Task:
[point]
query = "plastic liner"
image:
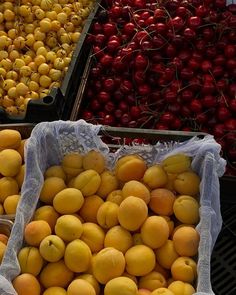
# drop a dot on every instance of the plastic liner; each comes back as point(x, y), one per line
point(65, 137)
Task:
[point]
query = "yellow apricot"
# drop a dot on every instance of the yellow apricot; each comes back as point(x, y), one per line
point(109, 263)
point(118, 238)
point(94, 160)
point(155, 231)
point(90, 207)
point(140, 260)
point(132, 213)
point(136, 189)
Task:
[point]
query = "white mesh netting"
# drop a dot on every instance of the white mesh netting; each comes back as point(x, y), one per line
point(49, 142)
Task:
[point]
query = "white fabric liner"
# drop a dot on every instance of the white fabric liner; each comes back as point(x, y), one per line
point(50, 141)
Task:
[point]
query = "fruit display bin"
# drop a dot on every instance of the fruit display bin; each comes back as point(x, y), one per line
point(219, 257)
point(25, 129)
point(59, 102)
point(228, 183)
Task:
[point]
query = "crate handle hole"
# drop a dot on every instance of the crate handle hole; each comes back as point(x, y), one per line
point(48, 99)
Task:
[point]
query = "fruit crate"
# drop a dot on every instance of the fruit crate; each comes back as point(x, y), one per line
point(222, 264)
point(228, 183)
point(25, 129)
point(59, 102)
point(223, 260)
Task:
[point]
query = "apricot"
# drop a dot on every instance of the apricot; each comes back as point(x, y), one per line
point(25, 284)
point(30, 260)
point(90, 207)
point(90, 279)
point(177, 163)
point(56, 274)
point(36, 231)
point(68, 201)
point(171, 224)
point(72, 164)
point(94, 160)
point(140, 260)
point(10, 204)
point(77, 256)
point(170, 182)
point(162, 270)
point(152, 281)
point(137, 239)
point(55, 291)
point(133, 278)
point(2, 250)
point(21, 149)
point(52, 248)
point(155, 231)
point(136, 189)
point(48, 214)
point(186, 210)
point(80, 287)
point(186, 241)
point(88, 182)
point(9, 139)
point(187, 183)
point(93, 235)
point(181, 288)
point(55, 171)
point(20, 176)
point(121, 286)
point(130, 167)
point(143, 292)
point(184, 269)
point(115, 197)
point(109, 263)
point(162, 291)
point(3, 238)
point(179, 226)
point(90, 269)
point(166, 254)
point(108, 184)
point(155, 177)
point(107, 215)
point(132, 213)
point(118, 238)
point(8, 187)
point(70, 182)
point(68, 228)
point(51, 186)
point(10, 162)
point(162, 201)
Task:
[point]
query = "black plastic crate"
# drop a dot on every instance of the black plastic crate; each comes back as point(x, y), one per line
point(58, 104)
point(227, 182)
point(25, 129)
point(223, 260)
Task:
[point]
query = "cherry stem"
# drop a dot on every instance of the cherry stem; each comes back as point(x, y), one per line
point(149, 119)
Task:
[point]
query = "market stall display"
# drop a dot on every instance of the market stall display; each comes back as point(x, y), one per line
point(164, 66)
point(70, 137)
point(40, 52)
